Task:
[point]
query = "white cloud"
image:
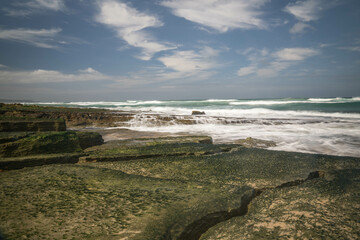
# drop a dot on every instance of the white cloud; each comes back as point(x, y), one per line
point(130, 24)
point(190, 61)
point(54, 5)
point(325, 45)
point(3, 66)
point(308, 10)
point(42, 38)
point(49, 76)
point(269, 65)
point(300, 28)
point(21, 9)
point(295, 54)
point(219, 14)
point(244, 71)
point(351, 48)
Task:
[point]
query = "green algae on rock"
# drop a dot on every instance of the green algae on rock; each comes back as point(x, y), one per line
point(70, 201)
point(119, 150)
point(258, 168)
point(325, 208)
point(89, 139)
point(12, 163)
point(42, 143)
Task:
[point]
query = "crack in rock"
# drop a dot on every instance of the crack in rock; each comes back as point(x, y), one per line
point(199, 227)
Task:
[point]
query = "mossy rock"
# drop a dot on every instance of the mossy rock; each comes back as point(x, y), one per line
point(79, 202)
point(6, 137)
point(42, 143)
point(152, 151)
point(327, 208)
point(120, 150)
point(258, 168)
point(38, 160)
point(89, 139)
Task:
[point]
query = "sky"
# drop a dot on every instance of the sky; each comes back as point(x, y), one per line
point(115, 50)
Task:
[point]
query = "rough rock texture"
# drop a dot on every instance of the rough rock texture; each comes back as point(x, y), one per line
point(173, 197)
point(326, 208)
point(69, 201)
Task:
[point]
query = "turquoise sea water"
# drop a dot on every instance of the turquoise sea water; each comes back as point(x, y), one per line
point(314, 125)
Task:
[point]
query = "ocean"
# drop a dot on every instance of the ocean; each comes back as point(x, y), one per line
point(311, 125)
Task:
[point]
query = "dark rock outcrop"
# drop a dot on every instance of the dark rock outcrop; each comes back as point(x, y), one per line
point(42, 143)
point(197, 113)
point(89, 139)
point(32, 125)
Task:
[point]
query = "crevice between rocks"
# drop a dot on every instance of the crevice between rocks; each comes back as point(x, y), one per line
point(194, 230)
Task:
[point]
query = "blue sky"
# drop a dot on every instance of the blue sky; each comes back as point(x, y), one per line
point(113, 50)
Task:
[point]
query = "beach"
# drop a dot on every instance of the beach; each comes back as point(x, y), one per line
point(114, 172)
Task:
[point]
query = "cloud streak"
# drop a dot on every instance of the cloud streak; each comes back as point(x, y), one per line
point(49, 76)
point(305, 11)
point(221, 16)
point(130, 25)
point(300, 28)
point(22, 9)
point(264, 64)
point(42, 38)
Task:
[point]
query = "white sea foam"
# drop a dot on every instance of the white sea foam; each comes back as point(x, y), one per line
point(321, 128)
point(259, 102)
point(243, 113)
point(327, 138)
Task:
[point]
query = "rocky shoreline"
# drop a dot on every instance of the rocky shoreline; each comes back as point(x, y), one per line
point(88, 182)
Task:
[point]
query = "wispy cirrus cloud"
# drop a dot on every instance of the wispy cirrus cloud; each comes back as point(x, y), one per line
point(300, 28)
point(307, 11)
point(50, 76)
point(266, 64)
point(21, 8)
point(130, 25)
point(221, 16)
point(351, 48)
point(43, 38)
